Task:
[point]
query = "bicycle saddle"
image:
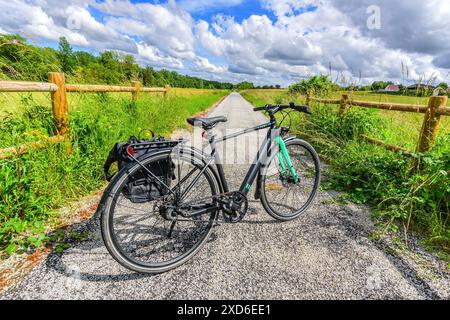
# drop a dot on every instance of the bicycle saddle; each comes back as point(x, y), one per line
point(207, 123)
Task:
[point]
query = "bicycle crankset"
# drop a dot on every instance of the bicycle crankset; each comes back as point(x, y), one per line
point(235, 206)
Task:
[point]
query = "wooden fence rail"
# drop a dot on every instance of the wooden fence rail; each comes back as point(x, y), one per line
point(389, 106)
point(58, 90)
point(436, 108)
point(21, 86)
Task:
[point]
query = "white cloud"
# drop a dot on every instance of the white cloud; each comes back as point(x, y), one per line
point(307, 36)
point(303, 42)
point(165, 27)
point(33, 21)
point(153, 56)
point(203, 64)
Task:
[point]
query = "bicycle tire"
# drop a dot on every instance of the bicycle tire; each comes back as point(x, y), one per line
point(108, 208)
point(270, 204)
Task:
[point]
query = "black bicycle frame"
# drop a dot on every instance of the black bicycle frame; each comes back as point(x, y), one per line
point(261, 156)
point(260, 160)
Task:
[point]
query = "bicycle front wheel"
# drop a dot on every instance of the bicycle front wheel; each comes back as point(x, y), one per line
point(139, 232)
point(283, 196)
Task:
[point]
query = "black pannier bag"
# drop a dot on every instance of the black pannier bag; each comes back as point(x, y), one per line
point(142, 187)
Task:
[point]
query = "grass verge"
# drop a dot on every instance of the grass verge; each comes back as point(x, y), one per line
point(35, 185)
point(370, 174)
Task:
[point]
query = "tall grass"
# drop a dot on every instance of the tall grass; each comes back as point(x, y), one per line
point(370, 174)
point(34, 185)
point(401, 128)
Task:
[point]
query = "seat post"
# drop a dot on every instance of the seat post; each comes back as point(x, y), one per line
point(212, 144)
point(219, 166)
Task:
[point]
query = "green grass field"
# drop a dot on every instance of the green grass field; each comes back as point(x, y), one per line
point(15, 105)
point(11, 102)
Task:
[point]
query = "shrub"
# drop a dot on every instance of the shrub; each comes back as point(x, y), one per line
point(318, 85)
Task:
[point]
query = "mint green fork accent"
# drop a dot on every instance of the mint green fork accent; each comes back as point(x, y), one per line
point(282, 164)
point(286, 156)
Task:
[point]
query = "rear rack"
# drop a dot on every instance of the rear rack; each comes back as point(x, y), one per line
point(151, 145)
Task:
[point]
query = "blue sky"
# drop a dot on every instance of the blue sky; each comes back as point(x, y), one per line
point(239, 12)
point(263, 41)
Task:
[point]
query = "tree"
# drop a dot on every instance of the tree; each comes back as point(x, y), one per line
point(443, 85)
point(22, 61)
point(84, 58)
point(318, 85)
point(379, 85)
point(130, 68)
point(245, 85)
point(65, 55)
point(147, 77)
point(110, 71)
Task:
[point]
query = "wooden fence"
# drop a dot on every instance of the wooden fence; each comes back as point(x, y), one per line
point(434, 111)
point(58, 89)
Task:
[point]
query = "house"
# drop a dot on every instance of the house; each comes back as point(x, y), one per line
point(392, 88)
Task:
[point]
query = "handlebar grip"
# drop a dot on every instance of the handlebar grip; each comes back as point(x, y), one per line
point(259, 109)
point(304, 109)
point(292, 105)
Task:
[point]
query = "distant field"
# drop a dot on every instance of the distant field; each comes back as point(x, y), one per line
point(377, 97)
point(185, 101)
point(261, 97)
point(402, 128)
point(12, 102)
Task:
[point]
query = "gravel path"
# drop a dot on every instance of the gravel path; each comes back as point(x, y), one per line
point(326, 254)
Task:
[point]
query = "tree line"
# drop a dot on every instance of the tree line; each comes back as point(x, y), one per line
point(321, 84)
point(20, 60)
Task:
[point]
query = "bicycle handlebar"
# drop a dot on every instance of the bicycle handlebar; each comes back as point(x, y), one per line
point(272, 109)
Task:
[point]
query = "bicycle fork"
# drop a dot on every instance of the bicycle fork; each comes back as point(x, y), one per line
point(283, 156)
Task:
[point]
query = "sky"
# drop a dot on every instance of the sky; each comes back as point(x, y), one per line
point(262, 41)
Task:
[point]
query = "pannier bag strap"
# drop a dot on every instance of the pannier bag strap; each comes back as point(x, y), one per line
point(112, 157)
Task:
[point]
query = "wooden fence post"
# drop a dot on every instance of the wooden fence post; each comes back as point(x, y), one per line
point(308, 97)
point(166, 93)
point(137, 89)
point(343, 105)
point(431, 123)
point(60, 106)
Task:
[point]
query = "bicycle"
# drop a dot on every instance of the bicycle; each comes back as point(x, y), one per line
point(162, 234)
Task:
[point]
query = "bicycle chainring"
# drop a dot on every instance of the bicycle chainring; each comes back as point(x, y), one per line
point(234, 207)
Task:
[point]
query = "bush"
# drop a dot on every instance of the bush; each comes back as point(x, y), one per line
point(318, 85)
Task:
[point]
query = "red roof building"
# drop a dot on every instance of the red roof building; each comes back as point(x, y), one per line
point(392, 88)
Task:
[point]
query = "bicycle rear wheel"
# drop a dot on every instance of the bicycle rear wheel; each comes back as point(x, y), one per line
point(281, 196)
point(139, 235)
